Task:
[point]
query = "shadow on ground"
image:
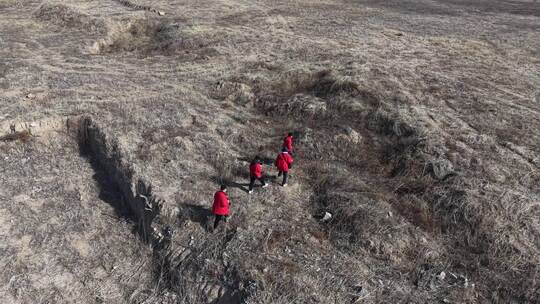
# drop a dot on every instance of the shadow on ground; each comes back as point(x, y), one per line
point(198, 214)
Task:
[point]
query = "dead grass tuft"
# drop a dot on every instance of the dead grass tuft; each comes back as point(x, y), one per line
point(227, 168)
point(389, 124)
point(321, 83)
point(356, 214)
point(235, 92)
point(22, 136)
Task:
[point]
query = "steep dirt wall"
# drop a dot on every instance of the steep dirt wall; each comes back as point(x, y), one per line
point(105, 154)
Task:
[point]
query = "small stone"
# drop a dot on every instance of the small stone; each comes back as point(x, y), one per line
point(161, 13)
point(327, 216)
point(30, 96)
point(355, 137)
point(389, 213)
point(214, 293)
point(441, 276)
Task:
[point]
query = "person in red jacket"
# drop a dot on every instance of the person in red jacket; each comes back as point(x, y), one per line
point(284, 163)
point(255, 173)
point(287, 142)
point(220, 208)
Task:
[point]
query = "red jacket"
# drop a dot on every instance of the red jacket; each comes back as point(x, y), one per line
point(283, 161)
point(287, 143)
point(255, 170)
point(221, 204)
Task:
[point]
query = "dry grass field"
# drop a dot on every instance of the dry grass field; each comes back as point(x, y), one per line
point(416, 127)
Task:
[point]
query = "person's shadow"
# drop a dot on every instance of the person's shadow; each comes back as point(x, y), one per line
point(243, 186)
point(264, 160)
point(198, 214)
point(231, 184)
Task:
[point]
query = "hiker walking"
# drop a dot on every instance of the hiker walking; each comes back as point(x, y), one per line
point(220, 208)
point(283, 163)
point(255, 173)
point(287, 142)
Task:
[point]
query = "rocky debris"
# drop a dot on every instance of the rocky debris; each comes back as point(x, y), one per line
point(432, 279)
point(133, 5)
point(30, 96)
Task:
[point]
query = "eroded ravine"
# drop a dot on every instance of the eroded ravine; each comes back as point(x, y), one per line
point(64, 239)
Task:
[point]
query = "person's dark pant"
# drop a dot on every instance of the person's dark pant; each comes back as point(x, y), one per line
point(252, 181)
point(285, 175)
point(218, 219)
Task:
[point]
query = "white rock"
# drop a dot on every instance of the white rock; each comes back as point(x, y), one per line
point(441, 276)
point(161, 13)
point(327, 216)
point(355, 137)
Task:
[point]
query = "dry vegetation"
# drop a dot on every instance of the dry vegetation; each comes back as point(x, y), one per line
point(416, 127)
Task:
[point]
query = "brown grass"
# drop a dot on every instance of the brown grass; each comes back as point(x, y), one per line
point(152, 36)
point(23, 136)
point(68, 17)
point(237, 75)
